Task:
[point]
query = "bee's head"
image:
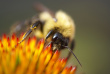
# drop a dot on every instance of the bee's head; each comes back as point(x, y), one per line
point(59, 41)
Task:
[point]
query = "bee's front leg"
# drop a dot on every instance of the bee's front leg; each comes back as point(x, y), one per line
point(48, 35)
point(33, 27)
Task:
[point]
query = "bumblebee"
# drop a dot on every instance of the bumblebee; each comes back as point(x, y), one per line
point(57, 29)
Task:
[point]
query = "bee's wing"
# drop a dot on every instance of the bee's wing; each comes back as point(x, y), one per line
point(41, 8)
point(20, 27)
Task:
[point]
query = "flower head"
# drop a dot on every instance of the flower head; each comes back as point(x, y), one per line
point(30, 57)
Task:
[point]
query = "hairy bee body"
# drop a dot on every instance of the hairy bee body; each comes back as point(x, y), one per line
point(64, 24)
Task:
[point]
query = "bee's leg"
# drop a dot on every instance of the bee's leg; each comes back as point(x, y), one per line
point(33, 27)
point(72, 48)
point(50, 43)
point(25, 35)
point(48, 35)
point(52, 48)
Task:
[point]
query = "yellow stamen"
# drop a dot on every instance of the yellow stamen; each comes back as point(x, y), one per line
point(30, 58)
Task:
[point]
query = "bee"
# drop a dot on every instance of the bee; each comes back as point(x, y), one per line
point(57, 28)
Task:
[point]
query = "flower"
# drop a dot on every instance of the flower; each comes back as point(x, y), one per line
point(30, 57)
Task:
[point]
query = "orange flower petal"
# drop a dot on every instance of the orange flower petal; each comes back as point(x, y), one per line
point(30, 58)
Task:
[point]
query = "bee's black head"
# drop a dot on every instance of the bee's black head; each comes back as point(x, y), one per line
point(59, 41)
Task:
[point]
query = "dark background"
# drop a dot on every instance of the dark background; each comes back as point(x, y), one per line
point(92, 19)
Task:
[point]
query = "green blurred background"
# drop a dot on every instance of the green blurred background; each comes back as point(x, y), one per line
point(92, 19)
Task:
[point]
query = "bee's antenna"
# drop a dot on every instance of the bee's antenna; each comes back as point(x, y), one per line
point(73, 54)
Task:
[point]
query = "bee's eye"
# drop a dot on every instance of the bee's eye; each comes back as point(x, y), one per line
point(57, 37)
